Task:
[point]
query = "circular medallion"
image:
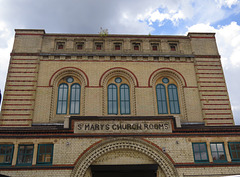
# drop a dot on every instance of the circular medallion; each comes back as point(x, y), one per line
point(165, 80)
point(69, 79)
point(118, 80)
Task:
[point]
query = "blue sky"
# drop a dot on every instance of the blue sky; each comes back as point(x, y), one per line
point(160, 17)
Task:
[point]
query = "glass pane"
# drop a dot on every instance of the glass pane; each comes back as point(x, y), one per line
point(72, 107)
point(122, 107)
point(77, 107)
point(64, 107)
point(220, 147)
point(232, 146)
point(20, 158)
point(197, 156)
point(202, 147)
point(41, 149)
point(65, 94)
point(41, 158)
point(171, 104)
point(110, 107)
point(60, 93)
point(49, 149)
point(78, 94)
point(122, 93)
point(213, 147)
point(127, 108)
point(59, 107)
point(214, 156)
point(238, 154)
point(175, 94)
point(9, 149)
point(48, 158)
point(114, 107)
point(222, 156)
point(21, 149)
point(237, 146)
point(234, 154)
point(8, 158)
point(2, 150)
point(73, 94)
point(29, 149)
point(28, 159)
point(204, 155)
point(196, 147)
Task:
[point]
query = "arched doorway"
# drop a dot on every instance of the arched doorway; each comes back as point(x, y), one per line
point(156, 160)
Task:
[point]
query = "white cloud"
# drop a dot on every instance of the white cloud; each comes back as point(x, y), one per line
point(227, 3)
point(228, 40)
point(6, 38)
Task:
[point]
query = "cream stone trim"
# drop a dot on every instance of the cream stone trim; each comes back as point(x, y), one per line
point(124, 143)
point(118, 72)
point(54, 82)
point(180, 85)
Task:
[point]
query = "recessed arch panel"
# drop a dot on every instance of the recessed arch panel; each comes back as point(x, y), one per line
point(154, 152)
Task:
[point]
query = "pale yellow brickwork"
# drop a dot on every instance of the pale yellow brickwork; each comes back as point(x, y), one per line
point(37, 67)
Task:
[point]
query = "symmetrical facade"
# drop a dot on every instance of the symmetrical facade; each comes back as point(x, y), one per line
point(86, 105)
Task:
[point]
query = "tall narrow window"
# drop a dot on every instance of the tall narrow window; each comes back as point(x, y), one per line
point(69, 96)
point(112, 99)
point(119, 97)
point(124, 99)
point(167, 96)
point(45, 154)
point(62, 99)
point(75, 99)
point(6, 154)
point(161, 99)
point(173, 99)
point(25, 154)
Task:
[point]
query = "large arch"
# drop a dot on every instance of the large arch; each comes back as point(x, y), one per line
point(53, 81)
point(154, 152)
point(181, 82)
point(174, 73)
point(129, 76)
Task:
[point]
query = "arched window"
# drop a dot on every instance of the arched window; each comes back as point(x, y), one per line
point(167, 99)
point(112, 99)
point(124, 99)
point(173, 99)
point(68, 101)
point(75, 99)
point(62, 99)
point(118, 97)
point(161, 99)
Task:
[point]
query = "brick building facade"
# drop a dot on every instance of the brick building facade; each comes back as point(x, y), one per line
point(84, 105)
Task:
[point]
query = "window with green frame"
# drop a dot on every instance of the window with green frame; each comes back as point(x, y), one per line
point(167, 99)
point(218, 152)
point(118, 97)
point(234, 148)
point(68, 101)
point(200, 152)
point(45, 154)
point(6, 154)
point(25, 154)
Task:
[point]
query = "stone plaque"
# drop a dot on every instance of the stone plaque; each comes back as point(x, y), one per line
point(122, 126)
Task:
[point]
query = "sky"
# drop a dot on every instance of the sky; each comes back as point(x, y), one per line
point(155, 17)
